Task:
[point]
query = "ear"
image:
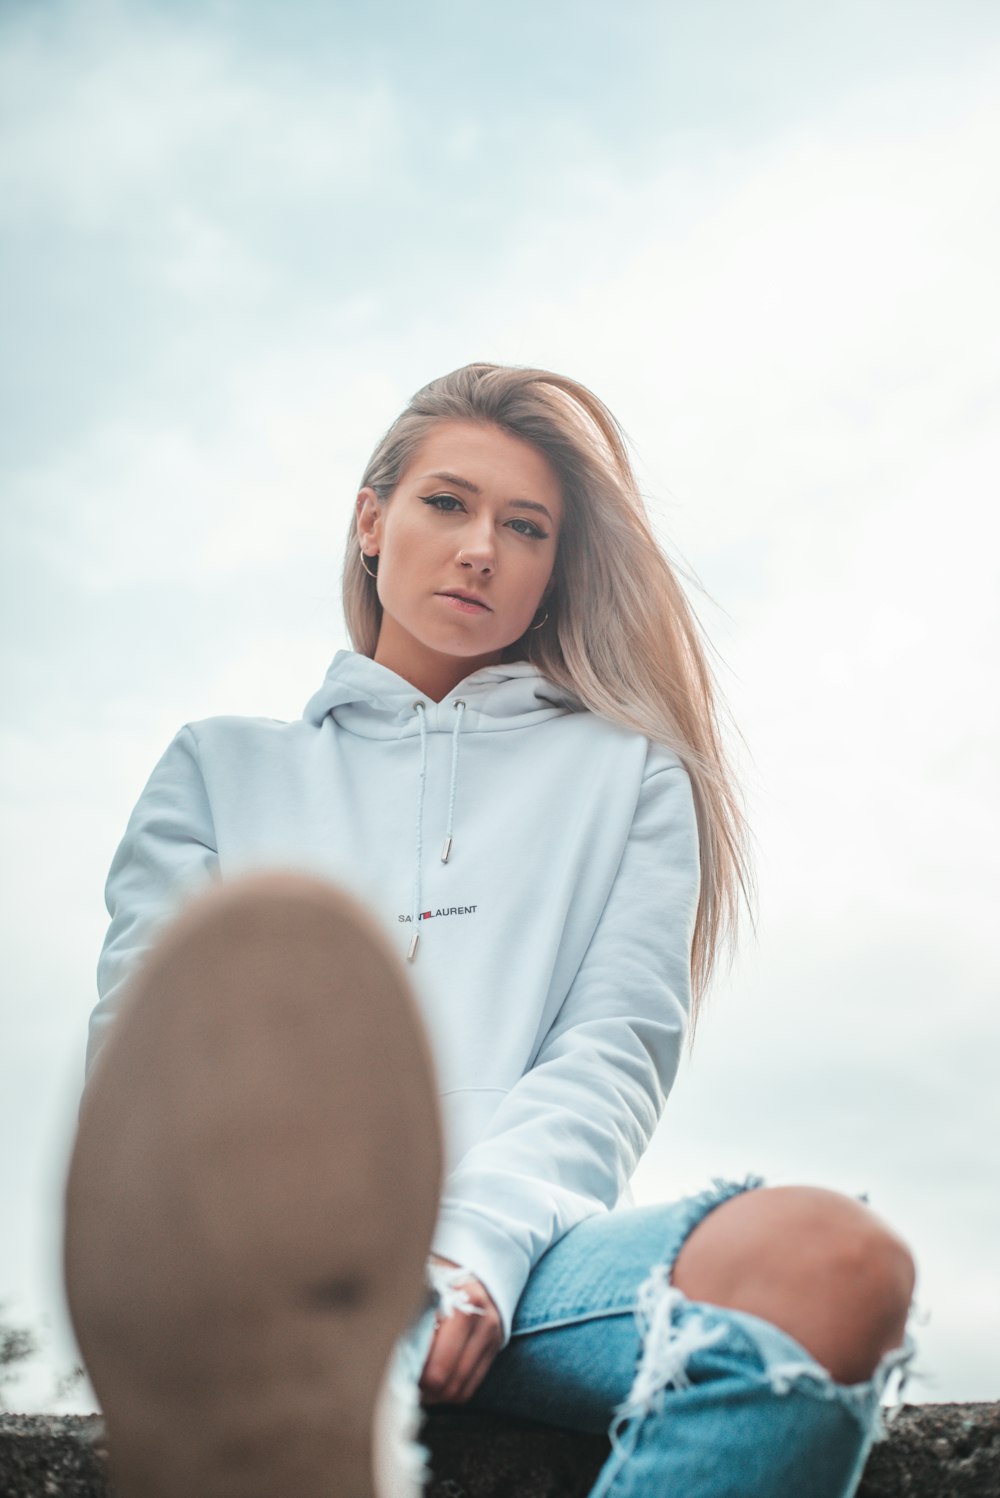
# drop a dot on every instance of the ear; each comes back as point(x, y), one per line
point(369, 518)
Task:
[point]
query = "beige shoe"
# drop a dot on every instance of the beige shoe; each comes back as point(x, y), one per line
point(251, 1199)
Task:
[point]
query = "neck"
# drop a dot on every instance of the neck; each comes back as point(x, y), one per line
point(432, 674)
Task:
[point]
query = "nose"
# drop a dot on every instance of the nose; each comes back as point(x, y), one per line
point(478, 556)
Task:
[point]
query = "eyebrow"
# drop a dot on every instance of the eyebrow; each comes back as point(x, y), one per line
point(518, 504)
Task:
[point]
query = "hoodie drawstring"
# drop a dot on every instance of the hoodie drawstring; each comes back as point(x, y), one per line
point(415, 936)
point(459, 710)
point(421, 712)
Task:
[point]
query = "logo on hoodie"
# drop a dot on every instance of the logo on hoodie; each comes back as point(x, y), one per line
point(426, 915)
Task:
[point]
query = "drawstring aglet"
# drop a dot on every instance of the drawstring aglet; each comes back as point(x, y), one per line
point(446, 850)
point(413, 946)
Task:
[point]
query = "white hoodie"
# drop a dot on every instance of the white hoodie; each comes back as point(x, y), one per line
point(553, 962)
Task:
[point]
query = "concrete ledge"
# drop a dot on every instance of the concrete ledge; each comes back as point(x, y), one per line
point(933, 1451)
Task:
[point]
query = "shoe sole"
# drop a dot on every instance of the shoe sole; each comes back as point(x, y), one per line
point(252, 1196)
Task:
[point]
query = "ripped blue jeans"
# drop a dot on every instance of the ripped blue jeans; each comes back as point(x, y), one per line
point(697, 1400)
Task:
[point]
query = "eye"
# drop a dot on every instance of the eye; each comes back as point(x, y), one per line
point(446, 503)
point(531, 530)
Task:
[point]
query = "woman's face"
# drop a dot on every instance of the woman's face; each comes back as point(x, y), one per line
point(476, 512)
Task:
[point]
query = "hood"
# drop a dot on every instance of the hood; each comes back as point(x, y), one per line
point(369, 700)
point(372, 701)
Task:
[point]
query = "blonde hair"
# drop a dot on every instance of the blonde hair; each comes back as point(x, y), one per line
point(620, 635)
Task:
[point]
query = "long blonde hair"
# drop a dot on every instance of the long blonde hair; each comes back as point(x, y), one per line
point(620, 634)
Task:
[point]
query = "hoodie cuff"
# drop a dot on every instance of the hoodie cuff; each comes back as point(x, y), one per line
point(488, 1253)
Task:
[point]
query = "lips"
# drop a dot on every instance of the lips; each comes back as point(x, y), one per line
point(465, 598)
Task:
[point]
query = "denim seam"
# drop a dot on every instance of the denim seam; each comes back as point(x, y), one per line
point(575, 1318)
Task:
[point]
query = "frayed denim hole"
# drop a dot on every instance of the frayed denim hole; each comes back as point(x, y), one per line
point(800, 1372)
point(897, 1361)
point(667, 1343)
point(699, 1207)
point(779, 1359)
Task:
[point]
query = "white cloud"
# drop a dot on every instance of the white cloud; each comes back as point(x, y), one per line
point(125, 111)
point(156, 501)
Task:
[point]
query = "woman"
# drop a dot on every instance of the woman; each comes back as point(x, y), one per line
point(518, 772)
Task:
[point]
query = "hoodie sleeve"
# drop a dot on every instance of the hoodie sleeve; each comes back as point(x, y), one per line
point(167, 851)
point(568, 1136)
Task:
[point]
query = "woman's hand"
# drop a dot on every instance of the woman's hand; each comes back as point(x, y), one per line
point(463, 1347)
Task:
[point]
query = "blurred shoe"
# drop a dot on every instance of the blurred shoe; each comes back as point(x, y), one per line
point(250, 1203)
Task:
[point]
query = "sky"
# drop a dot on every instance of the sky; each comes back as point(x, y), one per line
point(235, 238)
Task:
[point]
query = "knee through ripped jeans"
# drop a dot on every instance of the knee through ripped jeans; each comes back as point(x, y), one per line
point(695, 1398)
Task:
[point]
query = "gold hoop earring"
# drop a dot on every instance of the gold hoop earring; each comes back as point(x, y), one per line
point(370, 574)
point(540, 623)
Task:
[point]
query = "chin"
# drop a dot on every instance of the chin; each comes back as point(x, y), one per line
point(463, 643)
point(467, 650)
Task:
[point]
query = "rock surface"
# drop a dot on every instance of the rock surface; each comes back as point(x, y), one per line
point(933, 1451)
point(937, 1451)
